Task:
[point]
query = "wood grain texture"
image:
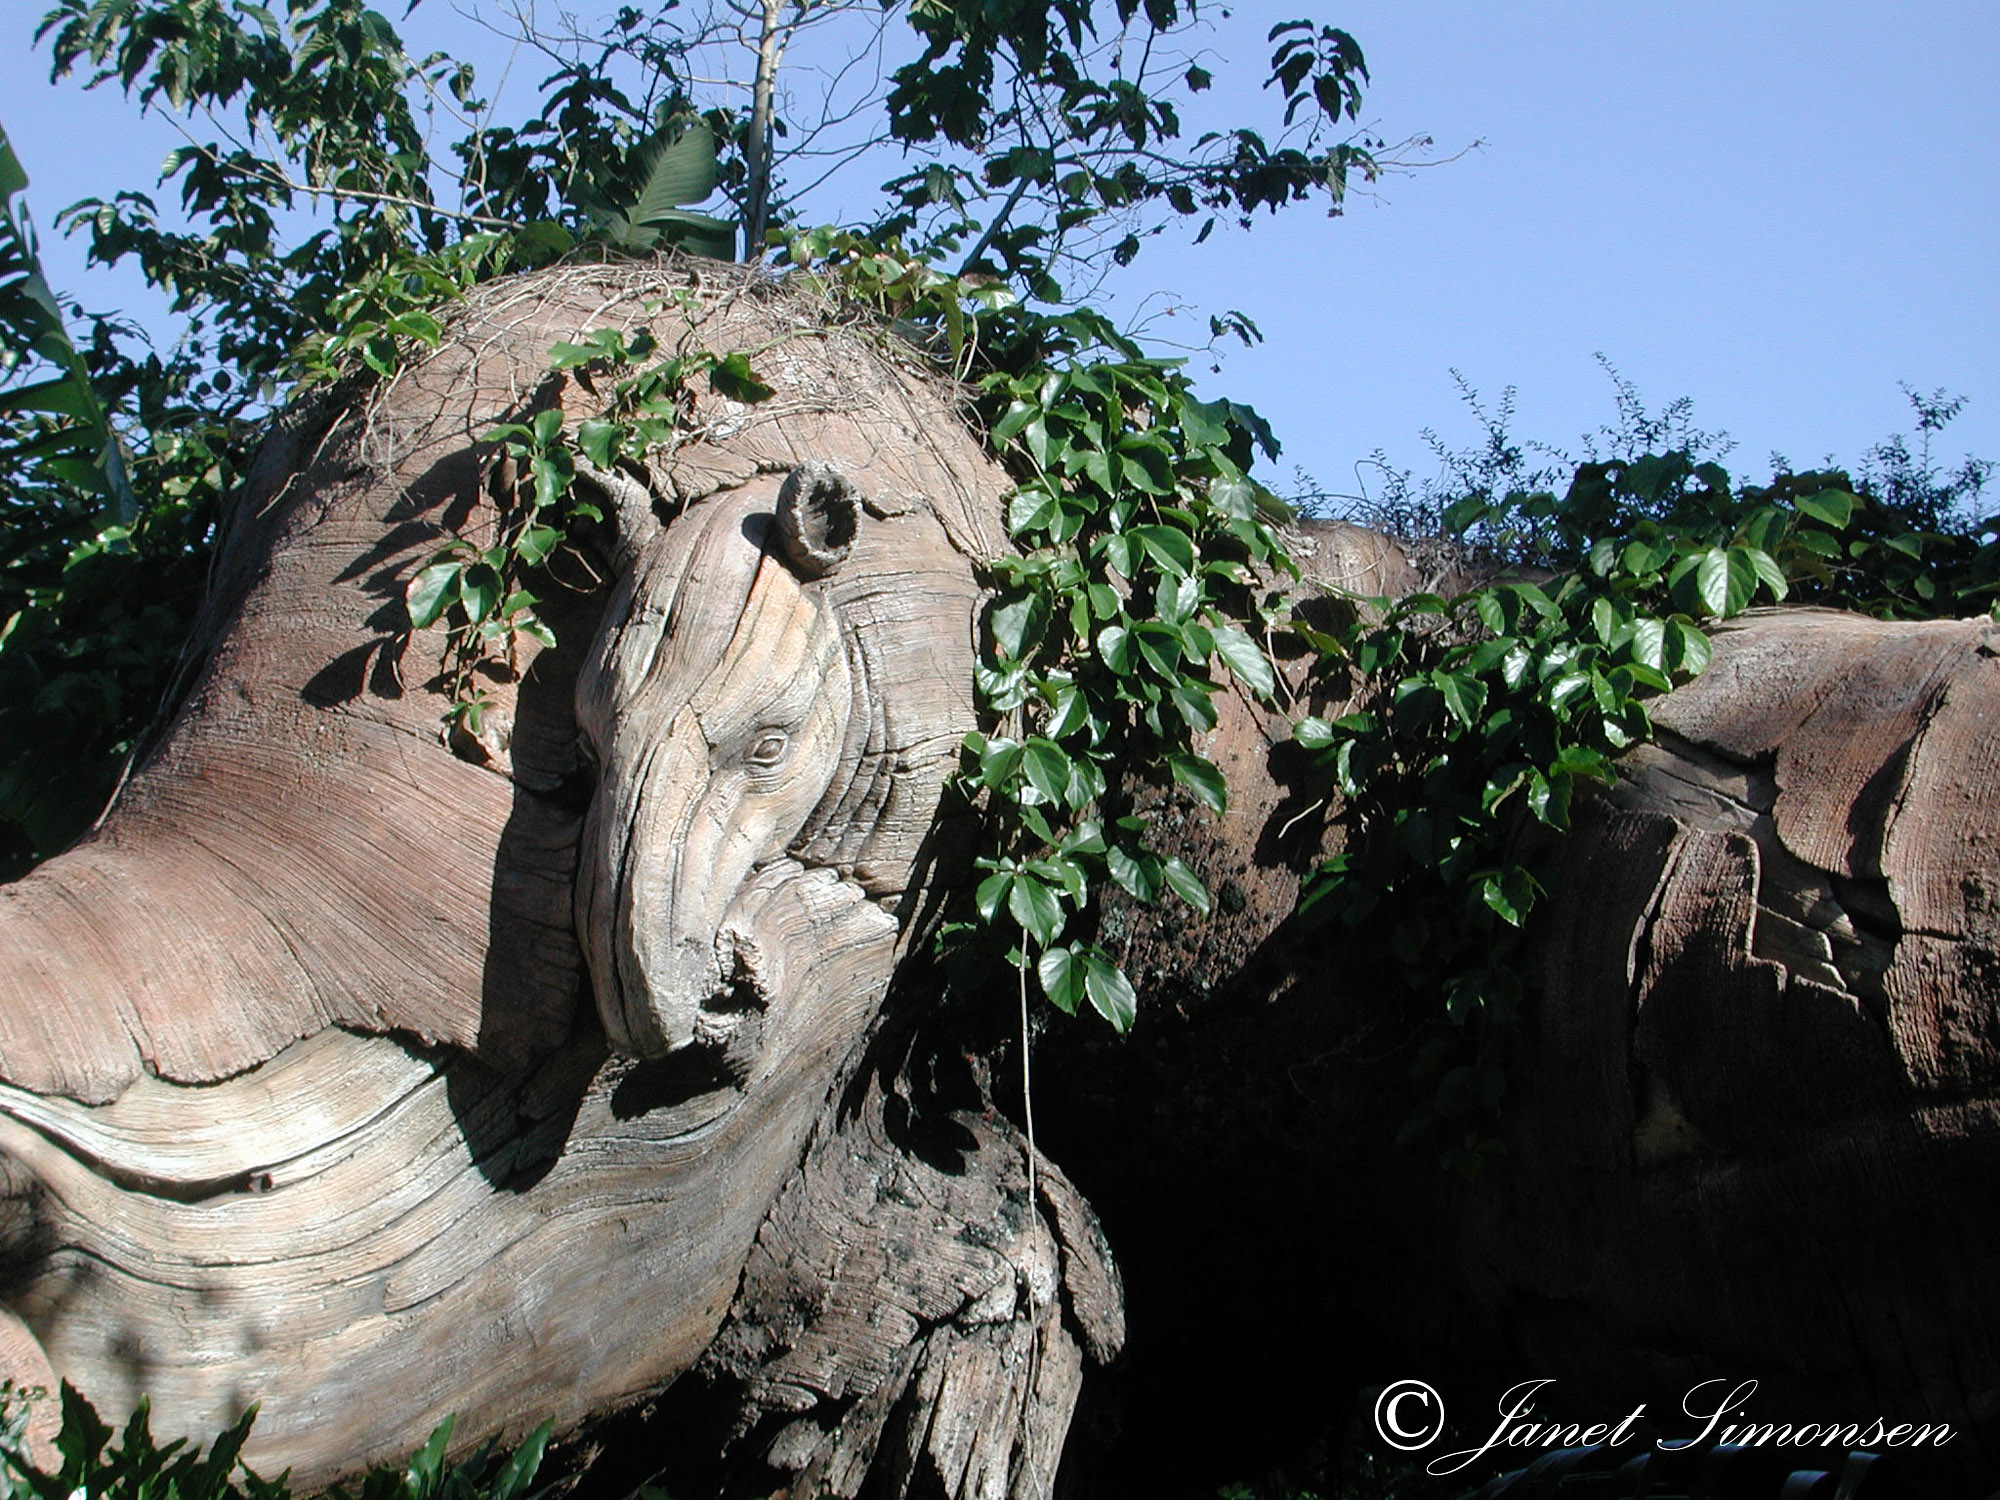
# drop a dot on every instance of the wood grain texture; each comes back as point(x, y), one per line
point(305, 1100)
point(1756, 1127)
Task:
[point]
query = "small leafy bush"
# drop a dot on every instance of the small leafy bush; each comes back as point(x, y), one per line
point(97, 1462)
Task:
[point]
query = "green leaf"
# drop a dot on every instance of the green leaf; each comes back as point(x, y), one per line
point(1019, 625)
point(1047, 767)
point(552, 473)
point(1313, 733)
point(1200, 777)
point(1062, 979)
point(1109, 991)
point(1036, 908)
point(519, 1471)
point(1463, 695)
point(1186, 884)
point(1649, 643)
point(1236, 498)
point(1160, 645)
point(432, 592)
point(1768, 572)
point(599, 441)
point(676, 166)
point(998, 760)
point(479, 590)
point(1466, 512)
point(698, 234)
point(1169, 546)
point(1137, 875)
point(1032, 508)
point(1690, 650)
point(1146, 465)
point(1725, 580)
point(427, 1463)
point(1114, 649)
point(991, 892)
point(1246, 659)
point(1834, 507)
point(1509, 894)
point(536, 543)
point(732, 376)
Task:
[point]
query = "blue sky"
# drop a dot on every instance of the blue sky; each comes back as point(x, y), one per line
point(1777, 209)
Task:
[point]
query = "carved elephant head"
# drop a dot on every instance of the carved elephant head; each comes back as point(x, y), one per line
point(775, 701)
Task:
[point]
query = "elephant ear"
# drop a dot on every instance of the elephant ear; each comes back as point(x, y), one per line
point(818, 514)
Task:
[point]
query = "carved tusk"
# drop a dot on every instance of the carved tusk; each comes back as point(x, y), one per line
point(818, 513)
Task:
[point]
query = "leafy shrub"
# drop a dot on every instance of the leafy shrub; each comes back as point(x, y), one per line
point(96, 1462)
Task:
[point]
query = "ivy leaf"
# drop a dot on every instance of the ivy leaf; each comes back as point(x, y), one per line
point(1146, 465)
point(1463, 695)
point(1169, 546)
point(1136, 875)
point(1109, 991)
point(1509, 894)
point(1047, 768)
point(1246, 659)
point(1313, 733)
point(1768, 572)
point(1200, 777)
point(552, 473)
point(1114, 649)
point(600, 441)
point(1062, 979)
point(998, 761)
point(1032, 508)
point(1235, 498)
point(1160, 645)
point(432, 592)
point(1690, 650)
point(1186, 884)
point(992, 891)
point(1649, 643)
point(535, 545)
point(1019, 625)
point(733, 377)
point(1036, 908)
point(1465, 513)
point(479, 590)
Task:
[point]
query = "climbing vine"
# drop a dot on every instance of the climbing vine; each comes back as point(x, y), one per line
point(1484, 713)
point(1152, 574)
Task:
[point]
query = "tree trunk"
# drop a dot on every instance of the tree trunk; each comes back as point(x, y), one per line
point(375, 1074)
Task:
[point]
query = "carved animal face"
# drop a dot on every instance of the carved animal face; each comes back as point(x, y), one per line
point(763, 779)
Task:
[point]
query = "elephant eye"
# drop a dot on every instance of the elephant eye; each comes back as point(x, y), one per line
point(769, 748)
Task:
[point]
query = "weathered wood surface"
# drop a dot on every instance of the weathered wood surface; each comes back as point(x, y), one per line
point(1756, 1129)
point(222, 1188)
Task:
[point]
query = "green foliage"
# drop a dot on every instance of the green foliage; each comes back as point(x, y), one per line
point(480, 592)
point(1487, 713)
point(1146, 551)
point(101, 546)
point(1068, 151)
point(96, 1461)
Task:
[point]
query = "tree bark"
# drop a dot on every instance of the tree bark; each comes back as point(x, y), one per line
point(376, 1074)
